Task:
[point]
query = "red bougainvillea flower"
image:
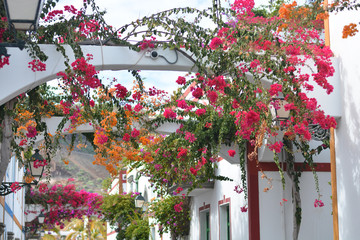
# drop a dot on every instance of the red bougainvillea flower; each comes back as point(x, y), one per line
point(193, 171)
point(182, 152)
point(231, 153)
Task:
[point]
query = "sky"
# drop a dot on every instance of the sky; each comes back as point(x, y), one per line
point(121, 12)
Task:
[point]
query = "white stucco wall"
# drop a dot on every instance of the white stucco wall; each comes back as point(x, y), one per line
point(347, 135)
point(14, 202)
point(276, 215)
point(239, 220)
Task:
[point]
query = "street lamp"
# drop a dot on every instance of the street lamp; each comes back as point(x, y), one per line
point(139, 201)
point(34, 228)
point(36, 169)
point(22, 15)
point(2, 228)
point(41, 218)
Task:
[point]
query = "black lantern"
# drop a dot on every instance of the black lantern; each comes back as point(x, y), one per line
point(37, 165)
point(22, 15)
point(36, 225)
point(139, 201)
point(2, 228)
point(36, 169)
point(41, 218)
point(278, 111)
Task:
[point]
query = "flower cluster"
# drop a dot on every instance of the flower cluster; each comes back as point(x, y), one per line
point(37, 65)
point(62, 203)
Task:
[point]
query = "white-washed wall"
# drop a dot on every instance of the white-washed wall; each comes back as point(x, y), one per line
point(347, 135)
point(239, 220)
point(276, 215)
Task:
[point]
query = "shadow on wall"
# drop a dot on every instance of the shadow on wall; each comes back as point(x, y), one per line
point(347, 140)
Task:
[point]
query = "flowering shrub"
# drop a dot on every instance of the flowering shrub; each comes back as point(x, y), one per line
point(173, 215)
point(120, 212)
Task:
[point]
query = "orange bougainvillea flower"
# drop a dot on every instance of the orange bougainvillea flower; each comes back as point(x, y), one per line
point(322, 16)
point(28, 178)
point(66, 162)
point(349, 30)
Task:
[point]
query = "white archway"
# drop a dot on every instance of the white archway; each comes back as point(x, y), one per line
point(22, 78)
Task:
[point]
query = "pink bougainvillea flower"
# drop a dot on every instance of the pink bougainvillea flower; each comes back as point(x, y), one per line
point(231, 153)
point(121, 91)
point(181, 80)
point(254, 63)
point(31, 131)
point(135, 133)
point(212, 95)
point(215, 43)
point(276, 147)
point(126, 137)
point(200, 112)
point(275, 89)
point(37, 65)
point(177, 207)
point(168, 113)
point(243, 209)
point(198, 93)
point(15, 187)
point(182, 104)
point(318, 203)
point(138, 107)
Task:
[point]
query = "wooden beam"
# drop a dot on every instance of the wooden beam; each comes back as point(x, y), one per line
point(272, 167)
point(253, 196)
point(326, 27)
point(334, 185)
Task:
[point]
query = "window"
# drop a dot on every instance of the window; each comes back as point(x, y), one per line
point(224, 219)
point(205, 222)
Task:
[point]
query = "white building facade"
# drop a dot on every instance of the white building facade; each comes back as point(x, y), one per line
point(12, 205)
